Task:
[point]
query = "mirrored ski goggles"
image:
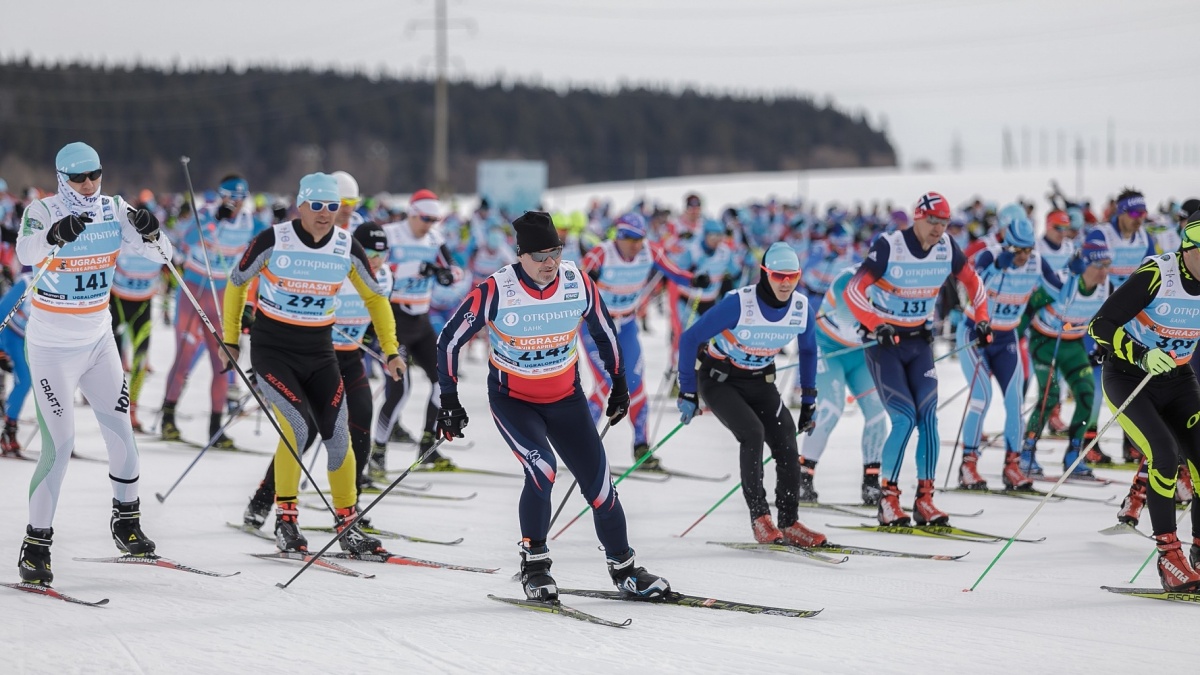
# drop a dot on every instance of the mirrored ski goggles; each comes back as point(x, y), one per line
point(781, 277)
point(542, 256)
point(81, 177)
point(1019, 251)
point(937, 220)
point(317, 207)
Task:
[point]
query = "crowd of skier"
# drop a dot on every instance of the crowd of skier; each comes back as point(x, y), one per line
point(300, 301)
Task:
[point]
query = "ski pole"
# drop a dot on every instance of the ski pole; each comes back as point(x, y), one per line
point(241, 404)
point(32, 283)
point(574, 482)
point(241, 373)
point(370, 352)
point(1062, 479)
point(648, 455)
point(954, 351)
point(962, 424)
point(1050, 377)
point(720, 501)
point(351, 525)
point(212, 287)
point(856, 397)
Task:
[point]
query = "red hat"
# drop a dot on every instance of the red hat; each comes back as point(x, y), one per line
point(1058, 218)
point(932, 204)
point(425, 203)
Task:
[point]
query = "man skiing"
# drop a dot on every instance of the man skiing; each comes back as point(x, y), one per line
point(893, 296)
point(534, 309)
point(76, 235)
point(735, 376)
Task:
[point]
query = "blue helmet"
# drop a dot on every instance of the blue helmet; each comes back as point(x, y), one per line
point(631, 226)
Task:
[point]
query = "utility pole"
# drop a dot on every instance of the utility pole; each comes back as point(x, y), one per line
point(441, 93)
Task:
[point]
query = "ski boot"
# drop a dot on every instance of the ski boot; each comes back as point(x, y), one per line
point(633, 580)
point(1029, 464)
point(436, 461)
point(890, 511)
point(260, 505)
point(870, 485)
point(355, 542)
point(924, 512)
point(1135, 501)
point(1069, 457)
point(808, 470)
point(968, 473)
point(1194, 553)
point(287, 529)
point(1054, 422)
point(401, 435)
point(9, 445)
point(377, 462)
point(1129, 451)
point(170, 431)
point(126, 528)
point(1174, 570)
point(651, 464)
point(220, 440)
point(34, 563)
point(535, 573)
point(797, 534)
point(1013, 477)
point(765, 531)
point(1095, 455)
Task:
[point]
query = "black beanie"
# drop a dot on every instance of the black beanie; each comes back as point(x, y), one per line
point(371, 237)
point(535, 232)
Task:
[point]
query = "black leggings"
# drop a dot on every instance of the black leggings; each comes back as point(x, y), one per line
point(1164, 423)
point(752, 409)
point(415, 333)
point(132, 318)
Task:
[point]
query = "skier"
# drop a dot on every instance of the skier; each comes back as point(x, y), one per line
point(418, 256)
point(1055, 246)
point(535, 308)
point(1061, 313)
point(839, 331)
point(747, 328)
point(1148, 326)
point(892, 296)
point(304, 263)
point(621, 269)
point(79, 233)
point(1010, 273)
point(213, 247)
point(12, 343)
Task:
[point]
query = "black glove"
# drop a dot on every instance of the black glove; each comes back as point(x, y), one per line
point(145, 223)
point(427, 269)
point(701, 280)
point(224, 212)
point(67, 230)
point(6, 363)
point(451, 419)
point(885, 335)
point(618, 401)
point(1096, 357)
point(983, 334)
point(279, 211)
point(444, 275)
point(247, 318)
point(805, 423)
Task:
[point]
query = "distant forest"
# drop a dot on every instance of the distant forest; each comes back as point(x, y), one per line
point(275, 125)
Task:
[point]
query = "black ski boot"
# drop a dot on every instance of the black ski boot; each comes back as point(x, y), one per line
point(633, 580)
point(808, 469)
point(126, 528)
point(259, 506)
point(377, 462)
point(170, 431)
point(355, 542)
point(401, 435)
point(34, 563)
point(535, 573)
point(651, 464)
point(287, 529)
point(871, 492)
point(221, 441)
point(436, 461)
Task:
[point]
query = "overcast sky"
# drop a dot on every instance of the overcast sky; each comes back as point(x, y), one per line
point(933, 69)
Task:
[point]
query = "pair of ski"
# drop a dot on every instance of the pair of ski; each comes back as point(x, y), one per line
point(823, 553)
point(1156, 594)
point(326, 562)
point(865, 510)
point(664, 474)
point(150, 560)
point(1029, 494)
point(936, 531)
point(669, 598)
point(375, 532)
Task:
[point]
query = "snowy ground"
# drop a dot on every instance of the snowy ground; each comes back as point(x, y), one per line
point(1040, 605)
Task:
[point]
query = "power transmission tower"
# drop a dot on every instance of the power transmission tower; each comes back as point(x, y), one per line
point(441, 25)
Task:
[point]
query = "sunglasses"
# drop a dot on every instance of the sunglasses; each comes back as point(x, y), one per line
point(373, 254)
point(81, 177)
point(692, 205)
point(1019, 251)
point(542, 256)
point(1136, 214)
point(428, 219)
point(935, 220)
point(317, 207)
point(781, 277)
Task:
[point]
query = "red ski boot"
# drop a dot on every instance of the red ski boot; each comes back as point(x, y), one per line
point(1174, 570)
point(765, 531)
point(924, 512)
point(890, 511)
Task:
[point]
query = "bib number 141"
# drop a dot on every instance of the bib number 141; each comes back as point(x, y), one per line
point(91, 282)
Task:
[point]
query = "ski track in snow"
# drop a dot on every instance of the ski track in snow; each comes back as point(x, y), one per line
point(1041, 606)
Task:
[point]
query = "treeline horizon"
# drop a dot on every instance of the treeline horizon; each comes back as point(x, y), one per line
point(273, 125)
